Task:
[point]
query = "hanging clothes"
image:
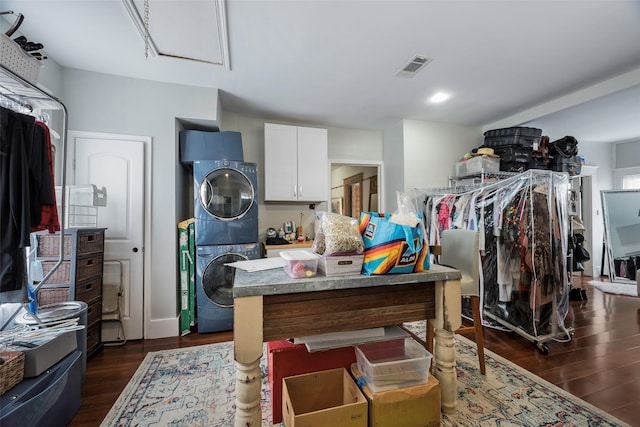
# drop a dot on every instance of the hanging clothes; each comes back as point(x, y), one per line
point(47, 199)
point(15, 215)
point(521, 220)
point(26, 186)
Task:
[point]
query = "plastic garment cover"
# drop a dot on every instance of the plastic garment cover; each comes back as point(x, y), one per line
point(523, 220)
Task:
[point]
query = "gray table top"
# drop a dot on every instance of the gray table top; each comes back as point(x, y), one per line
point(276, 281)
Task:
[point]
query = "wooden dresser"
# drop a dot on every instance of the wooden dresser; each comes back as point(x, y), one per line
point(78, 278)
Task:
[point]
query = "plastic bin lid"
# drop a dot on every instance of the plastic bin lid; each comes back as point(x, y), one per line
point(53, 312)
point(298, 255)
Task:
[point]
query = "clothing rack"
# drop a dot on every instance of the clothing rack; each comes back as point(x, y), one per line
point(539, 303)
point(26, 93)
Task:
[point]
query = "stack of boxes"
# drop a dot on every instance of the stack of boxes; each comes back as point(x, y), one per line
point(394, 387)
point(394, 377)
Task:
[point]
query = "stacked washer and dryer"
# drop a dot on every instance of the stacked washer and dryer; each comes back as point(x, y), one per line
point(226, 220)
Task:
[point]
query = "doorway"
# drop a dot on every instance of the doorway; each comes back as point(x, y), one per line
point(120, 164)
point(356, 186)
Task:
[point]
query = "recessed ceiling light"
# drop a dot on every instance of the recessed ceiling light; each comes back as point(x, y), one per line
point(439, 97)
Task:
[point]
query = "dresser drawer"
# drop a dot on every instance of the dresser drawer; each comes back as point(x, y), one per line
point(90, 242)
point(52, 295)
point(94, 312)
point(94, 338)
point(48, 245)
point(60, 275)
point(90, 290)
point(89, 267)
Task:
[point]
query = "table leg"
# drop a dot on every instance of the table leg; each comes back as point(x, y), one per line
point(445, 369)
point(448, 319)
point(247, 340)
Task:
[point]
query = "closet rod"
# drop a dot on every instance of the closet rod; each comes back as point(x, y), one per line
point(26, 89)
point(12, 101)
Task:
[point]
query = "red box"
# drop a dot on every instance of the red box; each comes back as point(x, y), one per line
point(285, 359)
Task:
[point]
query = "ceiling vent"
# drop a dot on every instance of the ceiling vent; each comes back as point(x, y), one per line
point(414, 65)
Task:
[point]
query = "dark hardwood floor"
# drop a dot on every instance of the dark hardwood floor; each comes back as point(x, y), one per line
point(601, 364)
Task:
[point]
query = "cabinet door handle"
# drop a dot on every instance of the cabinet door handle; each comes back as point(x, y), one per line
point(295, 191)
point(300, 191)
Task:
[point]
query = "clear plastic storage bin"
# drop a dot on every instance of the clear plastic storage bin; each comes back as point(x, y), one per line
point(477, 166)
point(300, 263)
point(393, 364)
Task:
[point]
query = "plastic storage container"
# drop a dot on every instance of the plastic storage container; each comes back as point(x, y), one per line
point(392, 364)
point(477, 166)
point(518, 135)
point(340, 265)
point(300, 263)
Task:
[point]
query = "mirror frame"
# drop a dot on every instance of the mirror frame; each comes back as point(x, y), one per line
point(607, 206)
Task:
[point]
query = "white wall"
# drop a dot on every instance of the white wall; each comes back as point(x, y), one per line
point(106, 103)
point(347, 144)
point(393, 145)
point(431, 151)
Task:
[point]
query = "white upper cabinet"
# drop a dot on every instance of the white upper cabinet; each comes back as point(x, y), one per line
point(296, 164)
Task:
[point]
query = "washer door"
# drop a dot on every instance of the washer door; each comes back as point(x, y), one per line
point(217, 279)
point(226, 194)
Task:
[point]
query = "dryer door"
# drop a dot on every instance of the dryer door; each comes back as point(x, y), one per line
point(217, 279)
point(226, 194)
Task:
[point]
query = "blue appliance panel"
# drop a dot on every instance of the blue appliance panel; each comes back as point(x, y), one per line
point(201, 145)
point(226, 204)
point(214, 284)
point(50, 399)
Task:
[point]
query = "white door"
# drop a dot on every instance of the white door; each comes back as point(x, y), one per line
point(116, 162)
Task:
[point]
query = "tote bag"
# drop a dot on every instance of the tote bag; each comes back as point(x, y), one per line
point(391, 248)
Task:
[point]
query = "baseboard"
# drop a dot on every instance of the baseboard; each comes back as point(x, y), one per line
point(163, 328)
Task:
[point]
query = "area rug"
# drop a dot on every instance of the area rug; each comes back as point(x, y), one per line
point(195, 386)
point(616, 288)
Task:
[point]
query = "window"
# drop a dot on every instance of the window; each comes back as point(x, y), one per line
point(631, 182)
point(626, 179)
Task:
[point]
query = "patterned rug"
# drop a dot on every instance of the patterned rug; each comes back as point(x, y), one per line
point(195, 386)
point(630, 289)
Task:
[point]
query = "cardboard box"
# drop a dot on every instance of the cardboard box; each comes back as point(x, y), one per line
point(340, 265)
point(320, 399)
point(413, 406)
point(186, 286)
point(285, 359)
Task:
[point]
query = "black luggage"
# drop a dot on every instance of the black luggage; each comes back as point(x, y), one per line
point(565, 147)
point(565, 155)
point(513, 153)
point(518, 135)
point(572, 164)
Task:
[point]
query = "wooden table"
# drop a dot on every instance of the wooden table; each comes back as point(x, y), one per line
point(269, 305)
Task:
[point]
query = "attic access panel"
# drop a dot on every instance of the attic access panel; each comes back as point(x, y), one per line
point(193, 30)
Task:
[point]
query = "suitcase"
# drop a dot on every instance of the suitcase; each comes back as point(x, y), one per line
point(565, 147)
point(572, 165)
point(538, 162)
point(518, 135)
point(513, 166)
point(513, 153)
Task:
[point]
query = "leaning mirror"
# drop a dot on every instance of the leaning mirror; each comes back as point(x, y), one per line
point(621, 210)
